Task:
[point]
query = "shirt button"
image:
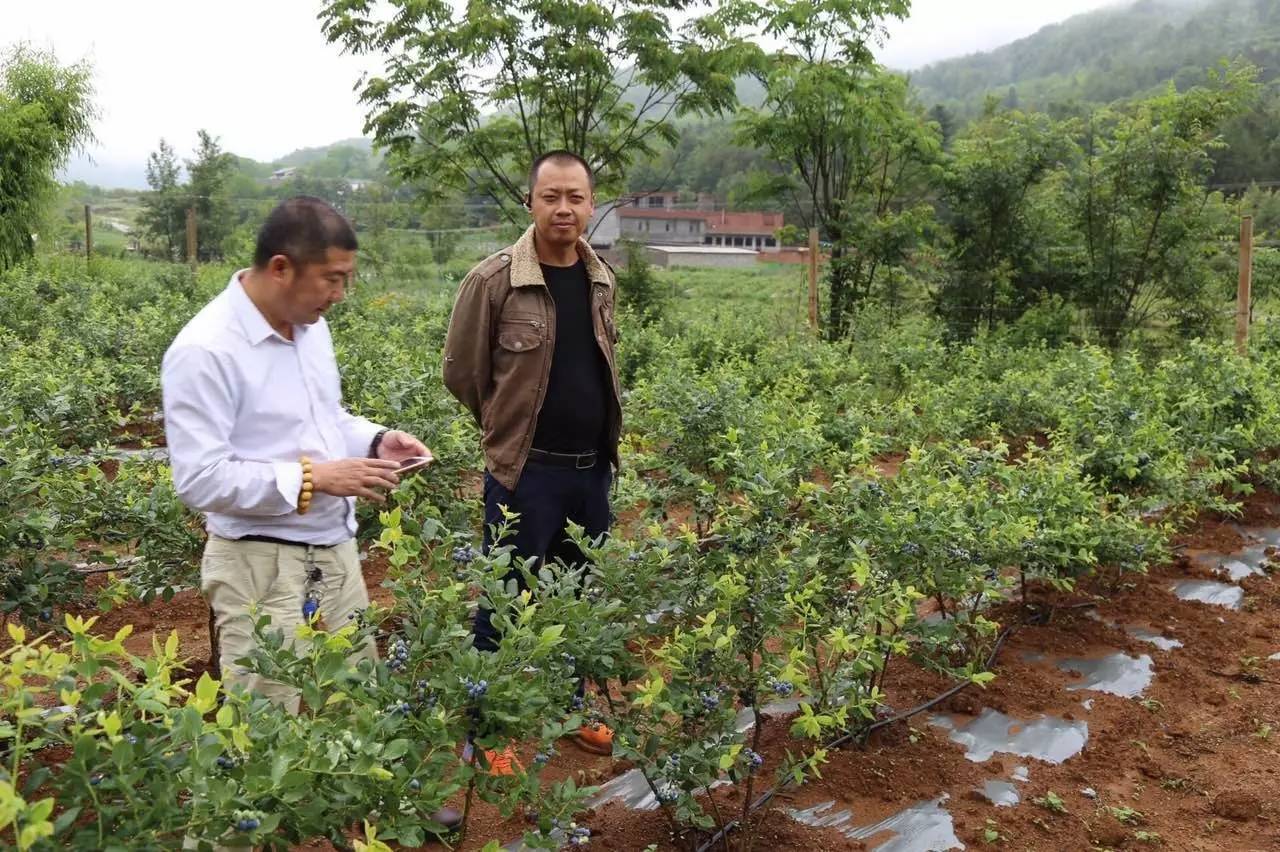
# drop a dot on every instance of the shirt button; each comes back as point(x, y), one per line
point(517, 344)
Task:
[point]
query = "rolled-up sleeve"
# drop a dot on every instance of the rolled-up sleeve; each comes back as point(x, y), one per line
point(199, 414)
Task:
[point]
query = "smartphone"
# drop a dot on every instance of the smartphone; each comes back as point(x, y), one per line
point(413, 464)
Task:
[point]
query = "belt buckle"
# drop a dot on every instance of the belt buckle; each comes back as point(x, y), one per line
point(578, 465)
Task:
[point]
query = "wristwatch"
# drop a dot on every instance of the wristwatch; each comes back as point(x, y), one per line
point(376, 442)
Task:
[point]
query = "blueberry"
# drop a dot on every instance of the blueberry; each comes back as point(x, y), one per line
point(754, 759)
point(541, 758)
point(667, 793)
point(577, 703)
point(131, 739)
point(781, 687)
point(247, 824)
point(415, 785)
point(634, 556)
point(96, 780)
point(46, 615)
point(911, 549)
point(710, 701)
point(464, 555)
point(225, 762)
point(569, 660)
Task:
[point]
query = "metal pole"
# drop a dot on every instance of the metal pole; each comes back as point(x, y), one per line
point(1244, 293)
point(191, 237)
point(813, 279)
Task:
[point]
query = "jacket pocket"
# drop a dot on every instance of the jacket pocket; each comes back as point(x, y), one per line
point(520, 334)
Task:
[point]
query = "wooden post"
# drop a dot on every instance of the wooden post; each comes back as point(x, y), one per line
point(191, 237)
point(88, 233)
point(1244, 293)
point(813, 279)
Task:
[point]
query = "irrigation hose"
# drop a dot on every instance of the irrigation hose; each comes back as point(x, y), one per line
point(768, 795)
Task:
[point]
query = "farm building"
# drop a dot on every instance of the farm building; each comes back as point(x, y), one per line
point(749, 229)
point(655, 219)
point(713, 256)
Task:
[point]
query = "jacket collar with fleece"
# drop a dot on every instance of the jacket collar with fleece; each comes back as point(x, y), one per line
point(526, 272)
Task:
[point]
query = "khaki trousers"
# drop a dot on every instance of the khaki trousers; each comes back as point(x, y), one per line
point(235, 575)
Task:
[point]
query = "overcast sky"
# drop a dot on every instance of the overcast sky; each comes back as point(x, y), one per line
point(258, 73)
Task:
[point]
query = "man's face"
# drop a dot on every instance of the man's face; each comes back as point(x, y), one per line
point(561, 203)
point(313, 288)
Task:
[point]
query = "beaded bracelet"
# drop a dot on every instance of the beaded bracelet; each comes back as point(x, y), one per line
point(304, 496)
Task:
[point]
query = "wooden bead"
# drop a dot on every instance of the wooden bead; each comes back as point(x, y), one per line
point(304, 496)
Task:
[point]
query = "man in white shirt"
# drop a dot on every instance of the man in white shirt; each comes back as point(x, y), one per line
point(260, 443)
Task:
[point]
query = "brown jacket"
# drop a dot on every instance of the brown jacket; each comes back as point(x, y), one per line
point(497, 355)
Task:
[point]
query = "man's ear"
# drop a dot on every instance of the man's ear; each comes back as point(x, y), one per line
point(528, 202)
point(280, 267)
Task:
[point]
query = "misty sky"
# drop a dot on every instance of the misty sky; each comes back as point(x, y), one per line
point(259, 75)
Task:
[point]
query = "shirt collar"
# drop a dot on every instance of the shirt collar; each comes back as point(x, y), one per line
point(255, 325)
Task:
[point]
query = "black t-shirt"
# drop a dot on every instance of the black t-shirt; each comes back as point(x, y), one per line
point(574, 411)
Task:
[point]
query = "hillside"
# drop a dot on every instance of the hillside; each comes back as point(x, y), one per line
point(1110, 54)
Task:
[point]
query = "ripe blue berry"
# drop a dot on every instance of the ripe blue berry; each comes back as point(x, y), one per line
point(415, 785)
point(781, 687)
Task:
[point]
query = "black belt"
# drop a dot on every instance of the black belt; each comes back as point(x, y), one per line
point(577, 461)
point(266, 539)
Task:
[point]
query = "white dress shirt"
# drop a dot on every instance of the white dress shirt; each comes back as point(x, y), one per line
point(242, 405)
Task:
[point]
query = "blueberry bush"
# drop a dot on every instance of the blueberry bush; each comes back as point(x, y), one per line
point(796, 518)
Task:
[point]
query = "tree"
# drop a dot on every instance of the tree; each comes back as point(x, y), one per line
point(164, 208)
point(849, 140)
point(946, 122)
point(163, 217)
point(209, 173)
point(46, 113)
point(471, 93)
point(997, 268)
point(1138, 204)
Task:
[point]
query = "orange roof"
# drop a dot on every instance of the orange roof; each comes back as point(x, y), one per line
point(660, 213)
point(718, 222)
point(746, 222)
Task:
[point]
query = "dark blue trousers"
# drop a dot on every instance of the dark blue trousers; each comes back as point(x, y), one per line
point(547, 498)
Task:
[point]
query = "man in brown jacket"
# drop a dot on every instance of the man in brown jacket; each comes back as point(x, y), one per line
point(530, 352)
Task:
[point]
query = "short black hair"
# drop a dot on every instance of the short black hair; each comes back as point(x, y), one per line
point(303, 229)
point(564, 158)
